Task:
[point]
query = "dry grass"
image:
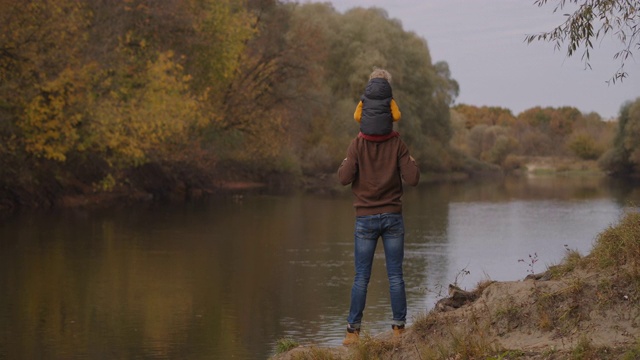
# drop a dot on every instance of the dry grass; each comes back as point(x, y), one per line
point(619, 245)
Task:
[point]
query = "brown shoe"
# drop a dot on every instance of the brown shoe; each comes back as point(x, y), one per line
point(352, 337)
point(397, 331)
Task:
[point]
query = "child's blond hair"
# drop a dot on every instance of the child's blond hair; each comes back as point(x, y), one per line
point(380, 73)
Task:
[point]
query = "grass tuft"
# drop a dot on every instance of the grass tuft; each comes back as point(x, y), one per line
point(370, 348)
point(634, 353)
point(315, 354)
point(285, 344)
point(585, 349)
point(571, 261)
point(619, 245)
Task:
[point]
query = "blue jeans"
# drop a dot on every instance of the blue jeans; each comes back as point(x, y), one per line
point(367, 231)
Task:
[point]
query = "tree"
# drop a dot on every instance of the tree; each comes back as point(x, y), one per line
point(554, 124)
point(592, 20)
point(130, 126)
point(584, 146)
point(351, 45)
point(41, 81)
point(491, 143)
point(488, 115)
point(424, 90)
point(591, 136)
point(267, 102)
point(107, 93)
point(624, 158)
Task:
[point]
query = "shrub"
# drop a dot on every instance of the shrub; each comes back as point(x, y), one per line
point(585, 147)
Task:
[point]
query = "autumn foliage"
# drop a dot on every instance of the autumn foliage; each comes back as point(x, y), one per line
point(494, 135)
point(174, 96)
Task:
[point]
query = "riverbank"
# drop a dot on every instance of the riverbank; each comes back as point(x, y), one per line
point(159, 188)
point(154, 183)
point(545, 165)
point(587, 307)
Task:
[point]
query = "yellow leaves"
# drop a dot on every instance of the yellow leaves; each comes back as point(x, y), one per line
point(487, 115)
point(131, 124)
point(131, 38)
point(38, 34)
point(227, 26)
point(50, 134)
point(49, 121)
point(40, 42)
point(231, 27)
point(106, 184)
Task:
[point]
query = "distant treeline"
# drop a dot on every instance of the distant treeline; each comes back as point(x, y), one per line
point(492, 135)
point(180, 95)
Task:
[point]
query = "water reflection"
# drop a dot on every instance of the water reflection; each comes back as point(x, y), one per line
point(229, 278)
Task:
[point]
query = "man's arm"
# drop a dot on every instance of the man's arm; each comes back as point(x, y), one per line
point(408, 168)
point(349, 167)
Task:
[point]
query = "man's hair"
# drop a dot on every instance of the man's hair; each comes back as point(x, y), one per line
point(380, 73)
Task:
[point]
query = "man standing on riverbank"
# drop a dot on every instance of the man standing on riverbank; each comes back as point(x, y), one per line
point(375, 168)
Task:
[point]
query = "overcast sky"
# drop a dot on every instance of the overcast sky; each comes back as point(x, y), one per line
point(483, 43)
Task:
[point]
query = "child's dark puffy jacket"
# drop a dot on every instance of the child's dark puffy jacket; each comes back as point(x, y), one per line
point(376, 108)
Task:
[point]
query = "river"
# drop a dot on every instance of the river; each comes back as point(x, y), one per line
point(226, 278)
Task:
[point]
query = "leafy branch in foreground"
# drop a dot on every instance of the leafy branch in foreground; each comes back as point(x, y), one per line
point(592, 20)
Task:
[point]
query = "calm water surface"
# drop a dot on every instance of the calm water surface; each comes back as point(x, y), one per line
point(229, 277)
